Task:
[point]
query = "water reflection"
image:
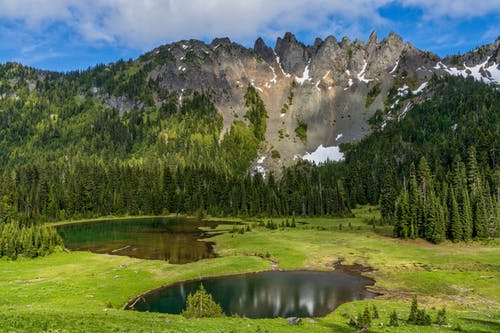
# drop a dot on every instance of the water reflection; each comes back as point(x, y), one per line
point(172, 239)
point(267, 294)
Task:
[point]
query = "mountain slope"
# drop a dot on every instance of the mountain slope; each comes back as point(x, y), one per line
point(322, 94)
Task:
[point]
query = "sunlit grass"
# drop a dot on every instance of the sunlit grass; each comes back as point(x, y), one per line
point(81, 291)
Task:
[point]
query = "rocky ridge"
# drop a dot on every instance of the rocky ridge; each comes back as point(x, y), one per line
point(332, 87)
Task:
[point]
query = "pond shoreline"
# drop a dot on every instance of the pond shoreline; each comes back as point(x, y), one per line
point(355, 269)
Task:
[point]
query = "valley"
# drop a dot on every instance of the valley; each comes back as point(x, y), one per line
point(85, 291)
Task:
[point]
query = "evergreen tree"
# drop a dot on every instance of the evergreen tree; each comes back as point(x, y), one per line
point(200, 304)
point(393, 319)
point(412, 317)
point(388, 195)
point(441, 317)
point(466, 215)
point(456, 226)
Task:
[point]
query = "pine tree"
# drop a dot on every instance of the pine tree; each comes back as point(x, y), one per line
point(423, 319)
point(413, 202)
point(375, 312)
point(466, 215)
point(200, 304)
point(456, 226)
point(367, 317)
point(473, 175)
point(412, 317)
point(388, 195)
point(441, 317)
point(393, 319)
point(480, 219)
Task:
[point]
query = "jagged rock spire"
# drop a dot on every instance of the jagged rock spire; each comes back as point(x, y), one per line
point(293, 54)
point(262, 50)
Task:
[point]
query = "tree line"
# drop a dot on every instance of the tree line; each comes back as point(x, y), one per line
point(88, 188)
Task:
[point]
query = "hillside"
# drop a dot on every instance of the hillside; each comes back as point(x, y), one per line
point(322, 94)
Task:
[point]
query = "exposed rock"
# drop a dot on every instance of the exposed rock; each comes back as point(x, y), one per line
point(293, 320)
point(324, 85)
point(261, 49)
point(293, 54)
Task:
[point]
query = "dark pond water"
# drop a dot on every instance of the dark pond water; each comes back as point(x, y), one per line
point(172, 239)
point(267, 294)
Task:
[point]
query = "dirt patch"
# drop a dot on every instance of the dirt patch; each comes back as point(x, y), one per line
point(354, 268)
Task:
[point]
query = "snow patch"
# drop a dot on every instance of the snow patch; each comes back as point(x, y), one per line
point(184, 46)
point(273, 80)
point(350, 82)
point(260, 169)
point(405, 111)
point(305, 76)
point(317, 85)
point(324, 154)
point(257, 88)
point(403, 91)
point(361, 75)
point(489, 74)
point(282, 70)
point(180, 96)
point(494, 73)
point(395, 67)
point(338, 136)
point(420, 88)
point(394, 104)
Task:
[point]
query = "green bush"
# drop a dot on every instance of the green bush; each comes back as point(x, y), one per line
point(301, 131)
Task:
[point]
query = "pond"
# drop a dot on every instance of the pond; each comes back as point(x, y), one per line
point(266, 294)
point(172, 239)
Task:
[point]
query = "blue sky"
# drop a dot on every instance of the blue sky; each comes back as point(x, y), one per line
point(66, 35)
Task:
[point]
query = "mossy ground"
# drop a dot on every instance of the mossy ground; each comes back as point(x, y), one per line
point(83, 292)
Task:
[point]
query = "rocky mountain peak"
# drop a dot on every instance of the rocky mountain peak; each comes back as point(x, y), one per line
point(346, 42)
point(221, 41)
point(292, 53)
point(373, 39)
point(333, 87)
point(262, 50)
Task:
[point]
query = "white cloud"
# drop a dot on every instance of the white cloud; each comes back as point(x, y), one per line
point(144, 24)
point(454, 8)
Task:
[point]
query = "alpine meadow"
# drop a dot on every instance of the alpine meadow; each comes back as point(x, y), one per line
point(343, 186)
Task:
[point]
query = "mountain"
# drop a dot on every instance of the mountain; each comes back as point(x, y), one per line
point(317, 95)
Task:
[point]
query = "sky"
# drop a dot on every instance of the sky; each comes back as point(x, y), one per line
point(66, 35)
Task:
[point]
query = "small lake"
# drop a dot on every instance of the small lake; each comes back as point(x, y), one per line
point(267, 294)
point(172, 239)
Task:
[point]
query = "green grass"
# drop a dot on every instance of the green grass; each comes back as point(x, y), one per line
point(83, 292)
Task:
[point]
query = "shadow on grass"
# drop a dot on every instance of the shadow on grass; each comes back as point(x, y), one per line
point(491, 326)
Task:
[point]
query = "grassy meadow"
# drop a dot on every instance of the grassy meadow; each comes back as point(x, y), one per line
point(84, 292)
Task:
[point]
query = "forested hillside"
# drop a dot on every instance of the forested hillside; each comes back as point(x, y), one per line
point(66, 154)
point(436, 171)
